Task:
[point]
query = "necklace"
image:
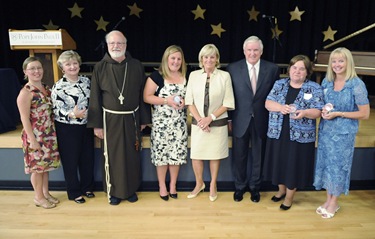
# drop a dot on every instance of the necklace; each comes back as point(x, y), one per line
point(121, 97)
point(71, 81)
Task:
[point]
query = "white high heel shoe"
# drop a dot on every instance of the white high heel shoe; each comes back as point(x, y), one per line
point(190, 196)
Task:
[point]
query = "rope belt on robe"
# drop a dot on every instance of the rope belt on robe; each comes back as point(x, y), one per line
point(106, 164)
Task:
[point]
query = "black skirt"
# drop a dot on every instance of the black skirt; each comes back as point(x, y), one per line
point(289, 162)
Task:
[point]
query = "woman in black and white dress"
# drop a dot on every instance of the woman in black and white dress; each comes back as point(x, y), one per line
point(70, 97)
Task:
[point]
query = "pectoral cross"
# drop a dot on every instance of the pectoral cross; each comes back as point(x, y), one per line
point(121, 99)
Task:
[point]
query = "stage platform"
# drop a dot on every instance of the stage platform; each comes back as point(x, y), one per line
point(364, 139)
point(12, 174)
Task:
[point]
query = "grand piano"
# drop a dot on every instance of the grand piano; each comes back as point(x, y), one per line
point(364, 61)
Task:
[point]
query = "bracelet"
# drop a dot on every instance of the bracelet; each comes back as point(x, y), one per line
point(213, 117)
point(343, 114)
point(165, 101)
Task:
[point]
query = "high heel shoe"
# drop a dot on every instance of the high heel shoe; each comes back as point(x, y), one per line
point(165, 198)
point(44, 204)
point(213, 198)
point(320, 210)
point(328, 215)
point(173, 195)
point(52, 199)
point(195, 195)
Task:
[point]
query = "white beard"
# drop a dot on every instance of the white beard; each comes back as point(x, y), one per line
point(117, 54)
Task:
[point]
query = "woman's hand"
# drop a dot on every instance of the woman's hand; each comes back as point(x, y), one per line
point(330, 115)
point(80, 113)
point(35, 145)
point(204, 123)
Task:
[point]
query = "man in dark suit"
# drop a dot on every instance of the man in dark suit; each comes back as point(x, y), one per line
point(250, 118)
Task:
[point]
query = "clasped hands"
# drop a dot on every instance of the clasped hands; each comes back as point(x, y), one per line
point(175, 105)
point(287, 109)
point(204, 123)
point(80, 113)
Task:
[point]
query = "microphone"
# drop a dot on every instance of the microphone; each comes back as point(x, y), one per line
point(265, 16)
point(118, 23)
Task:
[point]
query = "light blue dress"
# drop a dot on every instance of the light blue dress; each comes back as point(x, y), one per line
point(336, 137)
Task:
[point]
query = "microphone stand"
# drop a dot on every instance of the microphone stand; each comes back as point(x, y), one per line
point(102, 43)
point(276, 38)
point(101, 46)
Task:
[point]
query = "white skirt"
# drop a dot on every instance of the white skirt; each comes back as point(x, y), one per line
point(211, 145)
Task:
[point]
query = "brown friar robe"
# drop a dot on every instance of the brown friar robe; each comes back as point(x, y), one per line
point(122, 130)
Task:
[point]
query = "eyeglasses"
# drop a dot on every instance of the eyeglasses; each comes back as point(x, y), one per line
point(116, 43)
point(39, 68)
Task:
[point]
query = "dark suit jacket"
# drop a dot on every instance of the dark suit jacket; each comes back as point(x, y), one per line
point(246, 103)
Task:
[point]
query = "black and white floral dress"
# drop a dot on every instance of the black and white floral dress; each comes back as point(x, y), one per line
point(169, 135)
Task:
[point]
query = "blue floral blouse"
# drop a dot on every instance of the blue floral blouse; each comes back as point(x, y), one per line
point(310, 97)
point(352, 94)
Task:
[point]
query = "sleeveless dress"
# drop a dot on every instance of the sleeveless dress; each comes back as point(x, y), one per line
point(44, 131)
point(169, 135)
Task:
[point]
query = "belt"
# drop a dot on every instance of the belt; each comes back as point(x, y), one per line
point(106, 157)
point(216, 123)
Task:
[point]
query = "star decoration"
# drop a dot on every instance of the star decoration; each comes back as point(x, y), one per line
point(51, 26)
point(217, 30)
point(198, 12)
point(101, 24)
point(76, 10)
point(135, 10)
point(253, 14)
point(329, 34)
point(278, 32)
point(296, 14)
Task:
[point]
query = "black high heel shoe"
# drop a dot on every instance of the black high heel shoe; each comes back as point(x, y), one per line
point(173, 195)
point(165, 198)
point(80, 200)
point(90, 194)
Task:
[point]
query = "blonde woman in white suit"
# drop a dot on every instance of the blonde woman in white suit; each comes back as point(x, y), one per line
point(209, 96)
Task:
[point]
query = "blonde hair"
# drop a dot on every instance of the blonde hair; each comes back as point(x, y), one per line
point(29, 60)
point(208, 50)
point(350, 70)
point(68, 55)
point(164, 69)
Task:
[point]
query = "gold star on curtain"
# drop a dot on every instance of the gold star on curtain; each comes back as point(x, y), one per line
point(253, 14)
point(278, 32)
point(134, 10)
point(101, 24)
point(76, 10)
point(217, 29)
point(329, 34)
point(51, 26)
point(198, 12)
point(296, 14)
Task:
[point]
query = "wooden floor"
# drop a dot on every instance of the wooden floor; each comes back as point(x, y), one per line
point(151, 217)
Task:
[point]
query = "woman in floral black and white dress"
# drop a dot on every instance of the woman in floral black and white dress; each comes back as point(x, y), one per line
point(165, 89)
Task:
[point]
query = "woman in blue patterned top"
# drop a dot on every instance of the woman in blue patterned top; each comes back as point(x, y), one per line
point(294, 103)
point(338, 128)
point(70, 97)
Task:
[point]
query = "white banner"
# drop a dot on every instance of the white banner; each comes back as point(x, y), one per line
point(35, 38)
